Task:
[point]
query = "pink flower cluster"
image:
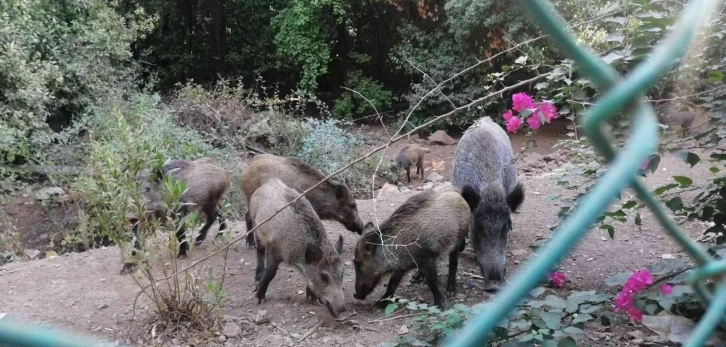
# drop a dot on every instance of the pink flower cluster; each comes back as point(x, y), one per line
point(558, 279)
point(523, 102)
point(640, 280)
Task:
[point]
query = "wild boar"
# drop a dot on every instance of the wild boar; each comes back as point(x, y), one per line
point(485, 161)
point(206, 184)
point(295, 236)
point(428, 225)
point(411, 155)
point(683, 120)
point(331, 200)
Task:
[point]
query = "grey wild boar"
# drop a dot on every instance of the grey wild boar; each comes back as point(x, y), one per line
point(297, 237)
point(485, 160)
point(206, 184)
point(411, 155)
point(427, 226)
point(331, 200)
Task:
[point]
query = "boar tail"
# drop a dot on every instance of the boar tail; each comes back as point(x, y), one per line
point(471, 196)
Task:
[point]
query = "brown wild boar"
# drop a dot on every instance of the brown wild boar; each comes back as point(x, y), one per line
point(331, 200)
point(295, 236)
point(683, 120)
point(485, 161)
point(206, 183)
point(426, 226)
point(411, 155)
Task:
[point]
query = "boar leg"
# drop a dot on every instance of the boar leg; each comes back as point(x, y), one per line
point(396, 277)
point(211, 215)
point(222, 222)
point(267, 276)
point(250, 238)
point(420, 165)
point(408, 174)
point(130, 266)
point(183, 243)
point(260, 262)
point(428, 268)
point(453, 266)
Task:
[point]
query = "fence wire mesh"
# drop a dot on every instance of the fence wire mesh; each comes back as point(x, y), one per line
point(620, 93)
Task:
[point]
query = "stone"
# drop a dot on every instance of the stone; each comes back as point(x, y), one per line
point(428, 185)
point(403, 330)
point(442, 138)
point(519, 253)
point(261, 317)
point(32, 253)
point(435, 177)
point(221, 338)
point(47, 193)
point(231, 330)
point(388, 190)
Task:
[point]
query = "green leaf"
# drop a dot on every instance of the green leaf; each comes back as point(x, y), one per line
point(390, 308)
point(684, 181)
point(630, 204)
point(412, 306)
point(573, 330)
point(567, 342)
point(665, 188)
point(610, 229)
point(537, 291)
point(618, 280)
point(715, 76)
point(581, 318)
point(689, 157)
point(552, 320)
point(675, 204)
point(714, 169)
point(521, 324)
point(590, 309)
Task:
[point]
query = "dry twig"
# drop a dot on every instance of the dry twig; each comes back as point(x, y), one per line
point(312, 330)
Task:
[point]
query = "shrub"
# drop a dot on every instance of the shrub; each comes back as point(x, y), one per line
point(351, 105)
point(56, 59)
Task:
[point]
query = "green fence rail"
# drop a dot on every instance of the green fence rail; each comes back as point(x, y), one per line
point(619, 94)
point(17, 334)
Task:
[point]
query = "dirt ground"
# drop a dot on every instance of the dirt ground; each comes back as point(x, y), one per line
point(85, 293)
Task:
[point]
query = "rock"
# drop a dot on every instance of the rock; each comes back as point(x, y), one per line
point(47, 193)
point(434, 177)
point(275, 340)
point(442, 138)
point(102, 306)
point(231, 329)
point(668, 256)
point(549, 157)
point(428, 185)
point(32, 253)
point(403, 330)
point(388, 190)
point(519, 253)
point(5, 187)
point(221, 338)
point(261, 317)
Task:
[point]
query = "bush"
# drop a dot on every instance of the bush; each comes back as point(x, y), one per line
point(57, 59)
point(351, 105)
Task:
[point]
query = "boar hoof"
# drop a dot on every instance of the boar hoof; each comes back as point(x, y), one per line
point(451, 290)
point(128, 268)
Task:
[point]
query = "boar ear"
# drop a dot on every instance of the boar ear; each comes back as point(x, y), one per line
point(313, 254)
point(371, 240)
point(339, 245)
point(340, 190)
point(368, 227)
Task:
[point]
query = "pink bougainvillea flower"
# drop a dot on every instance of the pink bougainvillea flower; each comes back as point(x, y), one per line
point(645, 164)
point(534, 122)
point(548, 110)
point(635, 314)
point(666, 289)
point(558, 279)
point(522, 101)
point(623, 302)
point(513, 124)
point(507, 115)
point(639, 281)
